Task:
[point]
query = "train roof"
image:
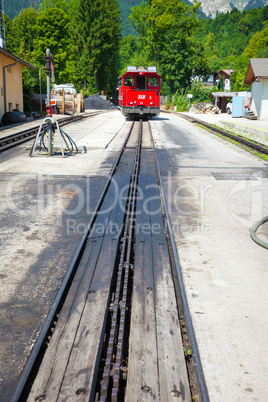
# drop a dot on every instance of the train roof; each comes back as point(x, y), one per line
point(149, 69)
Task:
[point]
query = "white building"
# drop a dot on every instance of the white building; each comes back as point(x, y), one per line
point(257, 77)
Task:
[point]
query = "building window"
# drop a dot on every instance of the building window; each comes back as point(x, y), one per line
point(17, 106)
point(10, 107)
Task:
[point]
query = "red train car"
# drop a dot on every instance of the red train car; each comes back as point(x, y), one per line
point(139, 92)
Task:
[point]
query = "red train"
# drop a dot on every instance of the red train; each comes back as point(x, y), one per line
point(139, 92)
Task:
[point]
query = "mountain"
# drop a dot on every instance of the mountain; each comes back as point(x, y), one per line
point(256, 4)
point(210, 8)
point(125, 8)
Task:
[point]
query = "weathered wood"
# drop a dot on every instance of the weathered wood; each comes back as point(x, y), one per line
point(156, 363)
point(171, 360)
point(109, 220)
point(142, 360)
point(81, 373)
point(156, 357)
point(70, 365)
point(52, 369)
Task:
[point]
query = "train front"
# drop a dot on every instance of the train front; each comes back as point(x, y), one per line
point(139, 93)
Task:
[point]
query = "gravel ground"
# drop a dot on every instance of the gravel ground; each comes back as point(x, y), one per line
point(97, 102)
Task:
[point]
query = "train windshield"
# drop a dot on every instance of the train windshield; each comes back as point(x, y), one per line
point(141, 82)
point(153, 82)
point(129, 81)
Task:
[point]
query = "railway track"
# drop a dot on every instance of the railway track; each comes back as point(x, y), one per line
point(13, 140)
point(114, 332)
point(250, 144)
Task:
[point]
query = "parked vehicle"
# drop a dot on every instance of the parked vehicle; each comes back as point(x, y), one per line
point(67, 88)
point(229, 107)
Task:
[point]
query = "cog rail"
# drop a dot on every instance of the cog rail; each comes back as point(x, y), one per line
point(114, 332)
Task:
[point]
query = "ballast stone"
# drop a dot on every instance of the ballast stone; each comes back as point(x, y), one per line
point(97, 102)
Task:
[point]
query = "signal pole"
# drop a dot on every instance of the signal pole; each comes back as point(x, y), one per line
point(2, 28)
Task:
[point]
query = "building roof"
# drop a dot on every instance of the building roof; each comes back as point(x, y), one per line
point(226, 72)
point(257, 68)
point(12, 56)
point(231, 94)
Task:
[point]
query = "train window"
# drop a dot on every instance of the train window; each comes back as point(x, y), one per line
point(153, 81)
point(129, 81)
point(141, 82)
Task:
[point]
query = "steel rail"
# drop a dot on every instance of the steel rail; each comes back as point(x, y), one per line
point(197, 359)
point(40, 343)
point(239, 138)
point(118, 322)
point(258, 146)
point(13, 140)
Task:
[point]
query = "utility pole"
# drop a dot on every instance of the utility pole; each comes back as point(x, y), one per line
point(1, 39)
point(2, 28)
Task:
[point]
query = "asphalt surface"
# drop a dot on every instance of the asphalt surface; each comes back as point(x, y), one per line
point(45, 206)
point(215, 192)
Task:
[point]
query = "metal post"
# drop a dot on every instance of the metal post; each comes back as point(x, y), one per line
point(1, 39)
point(40, 84)
point(4, 23)
point(48, 66)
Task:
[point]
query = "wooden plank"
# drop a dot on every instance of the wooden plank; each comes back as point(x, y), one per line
point(156, 354)
point(142, 361)
point(66, 368)
point(81, 372)
point(110, 216)
point(171, 360)
point(51, 371)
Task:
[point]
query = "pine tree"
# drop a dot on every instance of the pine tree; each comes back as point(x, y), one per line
point(95, 37)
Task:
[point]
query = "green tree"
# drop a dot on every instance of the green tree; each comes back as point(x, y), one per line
point(23, 34)
point(47, 4)
point(9, 34)
point(167, 30)
point(34, 32)
point(128, 48)
point(257, 45)
point(52, 31)
point(95, 44)
point(14, 7)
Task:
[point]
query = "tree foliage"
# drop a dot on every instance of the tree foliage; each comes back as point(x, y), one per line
point(232, 38)
point(82, 35)
point(95, 44)
point(167, 30)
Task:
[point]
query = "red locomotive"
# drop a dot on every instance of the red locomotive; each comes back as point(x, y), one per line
point(139, 92)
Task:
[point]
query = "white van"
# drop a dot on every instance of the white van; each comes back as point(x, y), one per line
point(67, 88)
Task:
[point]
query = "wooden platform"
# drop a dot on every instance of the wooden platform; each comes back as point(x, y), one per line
point(69, 367)
point(156, 363)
